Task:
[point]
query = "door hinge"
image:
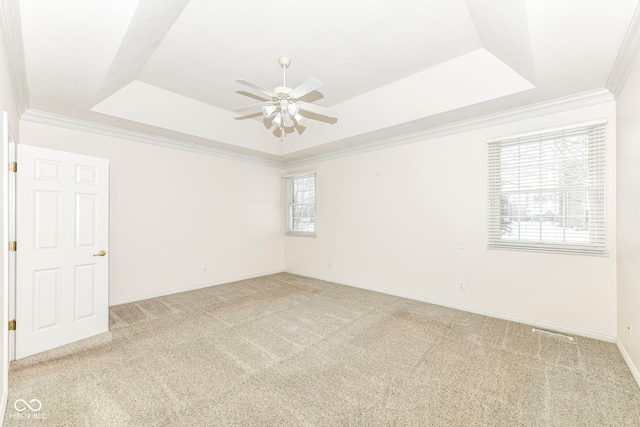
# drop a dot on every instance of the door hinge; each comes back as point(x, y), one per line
point(13, 166)
point(13, 246)
point(12, 325)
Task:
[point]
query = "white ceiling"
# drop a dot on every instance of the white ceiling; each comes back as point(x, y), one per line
point(168, 67)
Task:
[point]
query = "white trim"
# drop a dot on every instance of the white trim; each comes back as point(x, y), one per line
point(3, 406)
point(189, 288)
point(626, 57)
point(553, 250)
point(309, 172)
point(5, 261)
point(45, 118)
point(628, 361)
point(580, 100)
point(578, 125)
point(10, 11)
point(13, 146)
point(530, 322)
point(10, 295)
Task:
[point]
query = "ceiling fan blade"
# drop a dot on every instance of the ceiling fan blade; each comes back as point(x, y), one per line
point(306, 87)
point(259, 88)
point(256, 107)
point(317, 109)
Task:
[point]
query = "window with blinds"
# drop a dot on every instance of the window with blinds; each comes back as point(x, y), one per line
point(547, 190)
point(300, 204)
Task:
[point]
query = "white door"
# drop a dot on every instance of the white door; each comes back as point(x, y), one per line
point(62, 239)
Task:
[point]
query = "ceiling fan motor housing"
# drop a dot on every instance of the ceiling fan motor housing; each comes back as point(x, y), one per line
point(282, 90)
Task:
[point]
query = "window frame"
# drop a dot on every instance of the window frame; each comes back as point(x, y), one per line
point(290, 204)
point(594, 189)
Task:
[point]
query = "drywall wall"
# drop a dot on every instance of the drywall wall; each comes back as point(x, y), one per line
point(628, 123)
point(391, 220)
point(7, 91)
point(173, 213)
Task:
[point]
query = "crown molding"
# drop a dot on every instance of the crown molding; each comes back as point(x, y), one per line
point(580, 100)
point(15, 53)
point(45, 118)
point(584, 99)
point(626, 57)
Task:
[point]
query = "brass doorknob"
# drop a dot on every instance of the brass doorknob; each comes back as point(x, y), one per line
point(101, 253)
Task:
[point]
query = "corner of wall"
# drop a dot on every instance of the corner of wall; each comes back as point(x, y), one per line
point(634, 371)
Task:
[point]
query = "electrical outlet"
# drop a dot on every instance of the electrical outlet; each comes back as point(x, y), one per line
point(330, 265)
point(460, 244)
point(204, 269)
point(461, 286)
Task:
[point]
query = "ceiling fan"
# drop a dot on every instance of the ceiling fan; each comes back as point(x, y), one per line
point(285, 105)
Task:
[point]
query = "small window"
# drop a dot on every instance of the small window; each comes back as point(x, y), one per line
point(300, 201)
point(547, 190)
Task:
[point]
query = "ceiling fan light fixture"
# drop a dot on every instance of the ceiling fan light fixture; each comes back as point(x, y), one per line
point(284, 106)
point(292, 108)
point(268, 110)
point(277, 120)
point(288, 121)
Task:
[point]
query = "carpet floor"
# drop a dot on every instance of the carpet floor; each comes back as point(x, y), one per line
point(285, 350)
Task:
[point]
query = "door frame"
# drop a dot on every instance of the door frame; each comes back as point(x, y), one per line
point(10, 212)
point(8, 271)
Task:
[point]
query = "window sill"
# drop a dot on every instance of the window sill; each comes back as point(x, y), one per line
point(549, 250)
point(301, 234)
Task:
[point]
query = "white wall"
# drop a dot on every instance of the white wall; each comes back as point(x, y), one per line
point(391, 219)
point(174, 212)
point(628, 109)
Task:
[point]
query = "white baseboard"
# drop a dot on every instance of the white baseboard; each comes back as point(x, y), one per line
point(188, 288)
point(544, 325)
point(3, 406)
point(628, 361)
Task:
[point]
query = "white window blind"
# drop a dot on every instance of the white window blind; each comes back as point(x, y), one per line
point(300, 204)
point(547, 190)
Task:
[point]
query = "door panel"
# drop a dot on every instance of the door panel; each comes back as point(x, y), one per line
point(85, 220)
point(46, 293)
point(47, 220)
point(85, 284)
point(62, 227)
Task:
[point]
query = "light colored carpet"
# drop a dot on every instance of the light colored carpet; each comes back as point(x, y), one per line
point(285, 350)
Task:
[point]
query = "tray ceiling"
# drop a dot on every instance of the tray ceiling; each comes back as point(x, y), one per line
point(167, 67)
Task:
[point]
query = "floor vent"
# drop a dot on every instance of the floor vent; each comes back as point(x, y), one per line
point(552, 334)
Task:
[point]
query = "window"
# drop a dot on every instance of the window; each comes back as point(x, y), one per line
point(547, 190)
point(300, 200)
